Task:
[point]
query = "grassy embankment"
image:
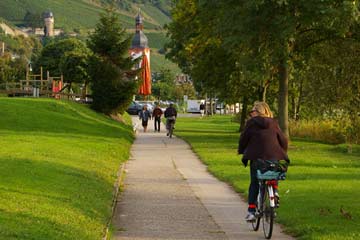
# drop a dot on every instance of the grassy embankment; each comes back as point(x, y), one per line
point(319, 198)
point(58, 164)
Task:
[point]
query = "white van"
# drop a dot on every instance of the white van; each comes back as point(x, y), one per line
point(193, 106)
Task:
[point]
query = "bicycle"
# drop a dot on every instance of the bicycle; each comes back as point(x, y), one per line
point(268, 173)
point(170, 124)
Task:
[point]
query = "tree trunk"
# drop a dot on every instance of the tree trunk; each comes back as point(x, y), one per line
point(293, 105)
point(263, 89)
point(299, 101)
point(243, 113)
point(283, 96)
point(263, 96)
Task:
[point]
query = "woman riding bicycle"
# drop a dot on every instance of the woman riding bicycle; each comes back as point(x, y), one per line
point(261, 139)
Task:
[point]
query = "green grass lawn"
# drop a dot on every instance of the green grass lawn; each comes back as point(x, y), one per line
point(58, 164)
point(322, 178)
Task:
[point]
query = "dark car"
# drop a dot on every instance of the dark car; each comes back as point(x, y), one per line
point(134, 108)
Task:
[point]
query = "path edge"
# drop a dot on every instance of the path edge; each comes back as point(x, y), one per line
point(116, 190)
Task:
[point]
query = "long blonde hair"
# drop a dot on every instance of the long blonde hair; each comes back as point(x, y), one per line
point(263, 109)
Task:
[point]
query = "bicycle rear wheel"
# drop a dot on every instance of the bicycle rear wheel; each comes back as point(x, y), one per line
point(268, 215)
point(171, 129)
point(256, 223)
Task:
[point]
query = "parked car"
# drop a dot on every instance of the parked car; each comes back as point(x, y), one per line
point(134, 108)
point(149, 104)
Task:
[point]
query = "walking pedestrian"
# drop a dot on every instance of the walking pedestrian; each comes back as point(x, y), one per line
point(144, 115)
point(157, 117)
point(202, 109)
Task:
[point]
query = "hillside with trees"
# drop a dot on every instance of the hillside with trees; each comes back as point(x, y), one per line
point(80, 17)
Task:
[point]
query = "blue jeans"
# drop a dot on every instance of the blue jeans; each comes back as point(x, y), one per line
point(253, 188)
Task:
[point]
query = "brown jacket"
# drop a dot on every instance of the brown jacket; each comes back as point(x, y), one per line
point(157, 112)
point(262, 139)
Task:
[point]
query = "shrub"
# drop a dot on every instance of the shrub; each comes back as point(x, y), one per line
point(319, 130)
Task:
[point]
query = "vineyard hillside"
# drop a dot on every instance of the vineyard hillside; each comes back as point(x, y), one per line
point(81, 16)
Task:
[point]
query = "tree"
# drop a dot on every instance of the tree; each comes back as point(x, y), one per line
point(68, 57)
point(53, 54)
point(112, 80)
point(184, 89)
point(270, 35)
point(74, 66)
point(19, 50)
point(331, 86)
point(285, 29)
point(195, 48)
point(164, 87)
point(6, 72)
point(12, 70)
point(199, 49)
point(181, 30)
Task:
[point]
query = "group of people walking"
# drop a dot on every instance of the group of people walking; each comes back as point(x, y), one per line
point(145, 115)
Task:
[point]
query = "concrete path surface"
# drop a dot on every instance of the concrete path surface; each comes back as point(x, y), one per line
point(169, 194)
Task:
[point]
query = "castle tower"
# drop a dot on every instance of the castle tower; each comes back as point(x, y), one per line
point(49, 24)
point(140, 47)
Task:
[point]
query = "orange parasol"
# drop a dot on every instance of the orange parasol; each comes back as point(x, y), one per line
point(145, 87)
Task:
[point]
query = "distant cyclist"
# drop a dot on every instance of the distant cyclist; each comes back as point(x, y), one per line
point(170, 115)
point(261, 139)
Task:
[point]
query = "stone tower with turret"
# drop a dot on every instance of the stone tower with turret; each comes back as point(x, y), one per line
point(49, 24)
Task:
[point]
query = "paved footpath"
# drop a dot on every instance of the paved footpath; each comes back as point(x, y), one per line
point(170, 195)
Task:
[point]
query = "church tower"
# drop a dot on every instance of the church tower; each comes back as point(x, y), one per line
point(140, 48)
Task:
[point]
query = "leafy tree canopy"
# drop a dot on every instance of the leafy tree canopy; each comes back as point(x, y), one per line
point(55, 57)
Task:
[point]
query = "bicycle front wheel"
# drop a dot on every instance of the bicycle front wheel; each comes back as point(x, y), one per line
point(256, 224)
point(268, 215)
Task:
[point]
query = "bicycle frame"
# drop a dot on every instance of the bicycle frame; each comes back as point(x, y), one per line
point(270, 187)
